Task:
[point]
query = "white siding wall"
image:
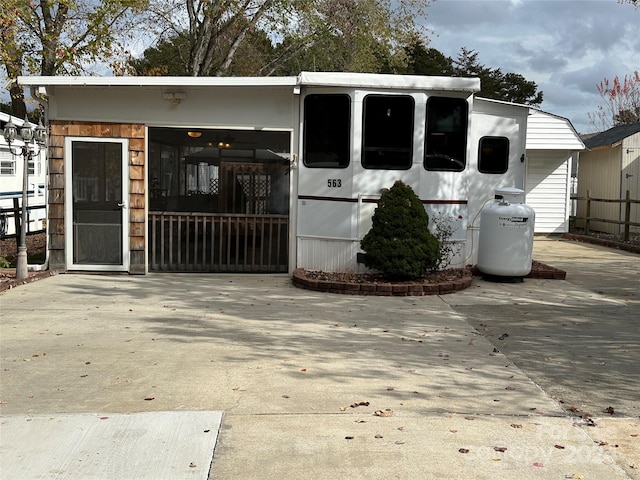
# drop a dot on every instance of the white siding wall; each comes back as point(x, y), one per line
point(550, 132)
point(548, 189)
point(550, 142)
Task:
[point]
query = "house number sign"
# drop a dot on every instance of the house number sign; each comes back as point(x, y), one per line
point(334, 182)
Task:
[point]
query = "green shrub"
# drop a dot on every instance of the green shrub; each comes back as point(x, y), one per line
point(399, 244)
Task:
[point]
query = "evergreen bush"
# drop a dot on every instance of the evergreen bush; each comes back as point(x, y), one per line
point(399, 244)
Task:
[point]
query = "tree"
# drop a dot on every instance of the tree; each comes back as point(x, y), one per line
point(509, 87)
point(53, 37)
point(621, 102)
point(427, 61)
point(349, 35)
point(399, 243)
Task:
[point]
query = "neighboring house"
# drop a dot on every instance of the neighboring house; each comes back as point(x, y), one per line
point(272, 174)
point(608, 169)
point(11, 177)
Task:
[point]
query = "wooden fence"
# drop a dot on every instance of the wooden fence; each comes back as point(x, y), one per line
point(627, 201)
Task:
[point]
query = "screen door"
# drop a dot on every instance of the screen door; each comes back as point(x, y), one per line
point(97, 204)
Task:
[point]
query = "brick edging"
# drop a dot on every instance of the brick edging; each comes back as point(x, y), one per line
point(627, 247)
point(31, 278)
point(381, 289)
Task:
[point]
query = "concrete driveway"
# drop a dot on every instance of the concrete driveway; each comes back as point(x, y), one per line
point(493, 382)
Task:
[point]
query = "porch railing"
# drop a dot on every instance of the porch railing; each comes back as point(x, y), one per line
point(213, 242)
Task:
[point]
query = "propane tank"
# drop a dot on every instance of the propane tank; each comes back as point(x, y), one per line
point(506, 235)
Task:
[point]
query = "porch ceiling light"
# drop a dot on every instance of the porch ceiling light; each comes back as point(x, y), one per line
point(194, 134)
point(174, 97)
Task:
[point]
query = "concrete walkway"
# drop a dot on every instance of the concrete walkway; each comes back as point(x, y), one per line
point(494, 382)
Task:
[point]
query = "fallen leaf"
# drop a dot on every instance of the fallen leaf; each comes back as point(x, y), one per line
point(303, 369)
point(348, 438)
point(361, 421)
point(559, 447)
point(516, 425)
point(384, 413)
point(359, 404)
point(192, 465)
point(510, 388)
point(104, 418)
point(608, 410)
point(378, 436)
point(399, 442)
point(500, 449)
point(538, 464)
point(148, 399)
point(503, 336)
point(575, 475)
point(463, 450)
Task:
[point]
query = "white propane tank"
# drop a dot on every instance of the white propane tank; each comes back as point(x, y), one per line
point(506, 235)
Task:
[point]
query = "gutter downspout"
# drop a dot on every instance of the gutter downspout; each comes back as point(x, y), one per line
point(44, 105)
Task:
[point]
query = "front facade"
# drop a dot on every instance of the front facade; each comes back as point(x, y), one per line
point(264, 174)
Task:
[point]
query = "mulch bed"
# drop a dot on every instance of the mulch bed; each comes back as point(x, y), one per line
point(438, 283)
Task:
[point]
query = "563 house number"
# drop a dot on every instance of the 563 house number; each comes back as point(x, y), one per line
point(334, 182)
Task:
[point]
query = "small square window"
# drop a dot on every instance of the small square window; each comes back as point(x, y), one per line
point(387, 141)
point(7, 167)
point(493, 155)
point(446, 138)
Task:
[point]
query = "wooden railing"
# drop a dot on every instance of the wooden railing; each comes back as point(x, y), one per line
point(13, 215)
point(627, 201)
point(213, 242)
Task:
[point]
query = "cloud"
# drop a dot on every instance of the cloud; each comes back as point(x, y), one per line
point(565, 46)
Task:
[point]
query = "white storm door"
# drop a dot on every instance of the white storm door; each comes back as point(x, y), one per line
point(96, 212)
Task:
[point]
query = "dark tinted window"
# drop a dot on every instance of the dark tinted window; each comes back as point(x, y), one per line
point(446, 139)
point(387, 139)
point(327, 130)
point(493, 155)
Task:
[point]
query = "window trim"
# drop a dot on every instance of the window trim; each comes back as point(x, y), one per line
point(495, 137)
point(305, 131)
point(412, 128)
point(465, 135)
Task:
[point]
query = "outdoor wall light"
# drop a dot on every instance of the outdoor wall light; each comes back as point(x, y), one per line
point(174, 97)
point(194, 134)
point(29, 135)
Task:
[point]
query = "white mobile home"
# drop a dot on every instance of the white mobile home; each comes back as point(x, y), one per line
point(11, 178)
point(263, 174)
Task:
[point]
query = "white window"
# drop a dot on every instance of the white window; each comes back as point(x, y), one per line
point(7, 167)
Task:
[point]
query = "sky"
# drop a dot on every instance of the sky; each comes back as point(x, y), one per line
point(565, 46)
